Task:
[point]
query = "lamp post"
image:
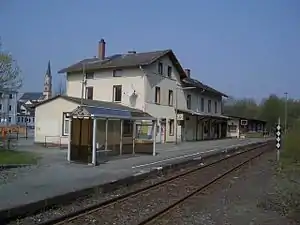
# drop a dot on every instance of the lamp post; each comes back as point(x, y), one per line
point(176, 108)
point(285, 112)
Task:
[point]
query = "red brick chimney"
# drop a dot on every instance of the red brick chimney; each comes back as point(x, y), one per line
point(187, 72)
point(101, 49)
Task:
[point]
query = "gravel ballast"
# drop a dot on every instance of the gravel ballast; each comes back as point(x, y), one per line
point(99, 196)
point(234, 200)
point(139, 207)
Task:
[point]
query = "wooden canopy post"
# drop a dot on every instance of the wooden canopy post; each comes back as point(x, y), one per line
point(154, 124)
point(94, 154)
point(69, 139)
point(121, 136)
point(106, 134)
point(133, 137)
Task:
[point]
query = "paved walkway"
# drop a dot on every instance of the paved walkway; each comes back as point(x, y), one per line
point(56, 176)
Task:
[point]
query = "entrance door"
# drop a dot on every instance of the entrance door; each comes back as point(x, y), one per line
point(81, 140)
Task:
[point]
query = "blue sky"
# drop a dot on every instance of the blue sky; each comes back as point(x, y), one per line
point(243, 48)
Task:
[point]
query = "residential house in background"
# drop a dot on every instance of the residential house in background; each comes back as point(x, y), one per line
point(8, 107)
point(153, 82)
point(26, 103)
point(26, 114)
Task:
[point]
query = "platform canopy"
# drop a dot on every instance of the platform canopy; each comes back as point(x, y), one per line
point(109, 113)
point(203, 115)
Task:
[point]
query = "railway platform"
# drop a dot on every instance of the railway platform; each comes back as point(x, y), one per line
point(57, 177)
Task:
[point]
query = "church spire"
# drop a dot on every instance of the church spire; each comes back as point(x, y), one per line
point(48, 83)
point(48, 69)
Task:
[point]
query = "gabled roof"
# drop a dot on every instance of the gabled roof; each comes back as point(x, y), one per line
point(91, 105)
point(195, 83)
point(31, 96)
point(124, 61)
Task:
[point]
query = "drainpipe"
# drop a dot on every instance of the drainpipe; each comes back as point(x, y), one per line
point(145, 74)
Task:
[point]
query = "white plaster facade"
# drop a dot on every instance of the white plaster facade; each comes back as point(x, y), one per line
point(8, 108)
point(143, 81)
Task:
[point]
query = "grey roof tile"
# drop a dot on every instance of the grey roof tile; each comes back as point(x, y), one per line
point(197, 83)
point(121, 61)
point(31, 96)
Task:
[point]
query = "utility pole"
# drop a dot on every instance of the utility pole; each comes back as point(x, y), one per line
point(285, 112)
point(82, 84)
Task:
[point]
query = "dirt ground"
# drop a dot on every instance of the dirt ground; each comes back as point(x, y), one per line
point(236, 200)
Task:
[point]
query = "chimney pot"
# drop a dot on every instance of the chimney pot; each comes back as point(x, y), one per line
point(101, 49)
point(188, 72)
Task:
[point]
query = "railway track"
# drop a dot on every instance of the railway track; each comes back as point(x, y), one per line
point(145, 205)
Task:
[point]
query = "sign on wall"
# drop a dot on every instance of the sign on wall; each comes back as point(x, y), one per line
point(180, 116)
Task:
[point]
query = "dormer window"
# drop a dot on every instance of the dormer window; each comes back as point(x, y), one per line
point(117, 73)
point(89, 75)
point(160, 68)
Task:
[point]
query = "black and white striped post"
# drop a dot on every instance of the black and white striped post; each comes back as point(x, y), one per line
point(278, 138)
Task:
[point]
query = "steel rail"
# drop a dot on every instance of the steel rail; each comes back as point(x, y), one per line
point(164, 211)
point(98, 206)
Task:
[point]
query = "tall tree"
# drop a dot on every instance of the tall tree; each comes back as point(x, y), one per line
point(10, 74)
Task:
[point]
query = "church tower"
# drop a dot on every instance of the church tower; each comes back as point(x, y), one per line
point(48, 83)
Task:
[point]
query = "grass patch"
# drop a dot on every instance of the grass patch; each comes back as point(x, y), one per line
point(286, 197)
point(16, 157)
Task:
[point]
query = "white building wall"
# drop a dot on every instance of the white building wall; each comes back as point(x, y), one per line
point(49, 121)
point(103, 82)
point(8, 109)
point(236, 132)
point(143, 81)
point(162, 110)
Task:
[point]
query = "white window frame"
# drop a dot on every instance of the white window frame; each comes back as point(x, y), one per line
point(66, 121)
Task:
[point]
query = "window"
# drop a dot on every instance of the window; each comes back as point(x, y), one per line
point(1, 94)
point(209, 106)
point(188, 101)
point(33, 119)
point(10, 96)
point(9, 119)
point(160, 68)
point(9, 107)
point(89, 75)
point(117, 93)
point(22, 119)
point(18, 119)
point(170, 98)
point(117, 73)
point(0, 106)
point(157, 95)
point(216, 107)
point(169, 71)
point(171, 127)
point(29, 120)
point(66, 124)
point(127, 128)
point(202, 104)
point(89, 92)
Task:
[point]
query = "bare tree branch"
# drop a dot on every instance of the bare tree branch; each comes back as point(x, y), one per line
point(10, 74)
